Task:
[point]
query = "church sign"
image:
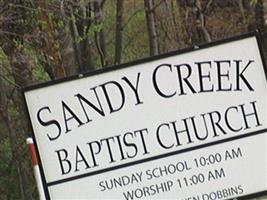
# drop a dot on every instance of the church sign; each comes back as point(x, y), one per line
point(187, 125)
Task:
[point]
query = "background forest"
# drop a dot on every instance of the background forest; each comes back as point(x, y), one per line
point(42, 40)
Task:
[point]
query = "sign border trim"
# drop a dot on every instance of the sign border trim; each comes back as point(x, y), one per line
point(256, 34)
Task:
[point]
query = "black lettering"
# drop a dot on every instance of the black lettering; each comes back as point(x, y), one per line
point(98, 109)
point(120, 89)
point(108, 147)
point(93, 151)
point(65, 164)
point(48, 123)
point(177, 132)
point(165, 146)
point(141, 133)
point(184, 79)
point(239, 75)
point(221, 86)
point(204, 137)
point(120, 146)
point(155, 83)
point(81, 159)
point(204, 76)
point(216, 123)
point(254, 113)
point(130, 144)
point(134, 88)
point(73, 116)
point(227, 119)
point(102, 186)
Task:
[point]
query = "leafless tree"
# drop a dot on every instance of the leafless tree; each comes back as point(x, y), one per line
point(51, 43)
point(151, 27)
point(99, 34)
point(119, 31)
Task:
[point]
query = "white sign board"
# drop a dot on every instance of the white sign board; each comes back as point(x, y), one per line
point(188, 125)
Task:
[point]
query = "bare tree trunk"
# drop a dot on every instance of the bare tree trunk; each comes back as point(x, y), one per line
point(260, 10)
point(80, 30)
point(184, 11)
point(151, 27)
point(175, 13)
point(242, 11)
point(74, 34)
point(86, 56)
point(82, 49)
point(119, 31)
point(3, 98)
point(99, 35)
point(52, 45)
point(4, 133)
point(66, 42)
point(259, 15)
point(102, 44)
point(200, 20)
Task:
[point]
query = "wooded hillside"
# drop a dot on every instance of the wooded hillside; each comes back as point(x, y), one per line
point(45, 40)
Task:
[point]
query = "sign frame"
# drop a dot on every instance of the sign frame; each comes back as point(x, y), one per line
point(259, 39)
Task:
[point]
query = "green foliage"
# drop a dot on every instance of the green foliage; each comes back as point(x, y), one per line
point(40, 74)
point(8, 182)
point(135, 39)
point(20, 16)
point(38, 70)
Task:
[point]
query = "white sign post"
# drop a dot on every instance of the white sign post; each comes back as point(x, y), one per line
point(187, 125)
